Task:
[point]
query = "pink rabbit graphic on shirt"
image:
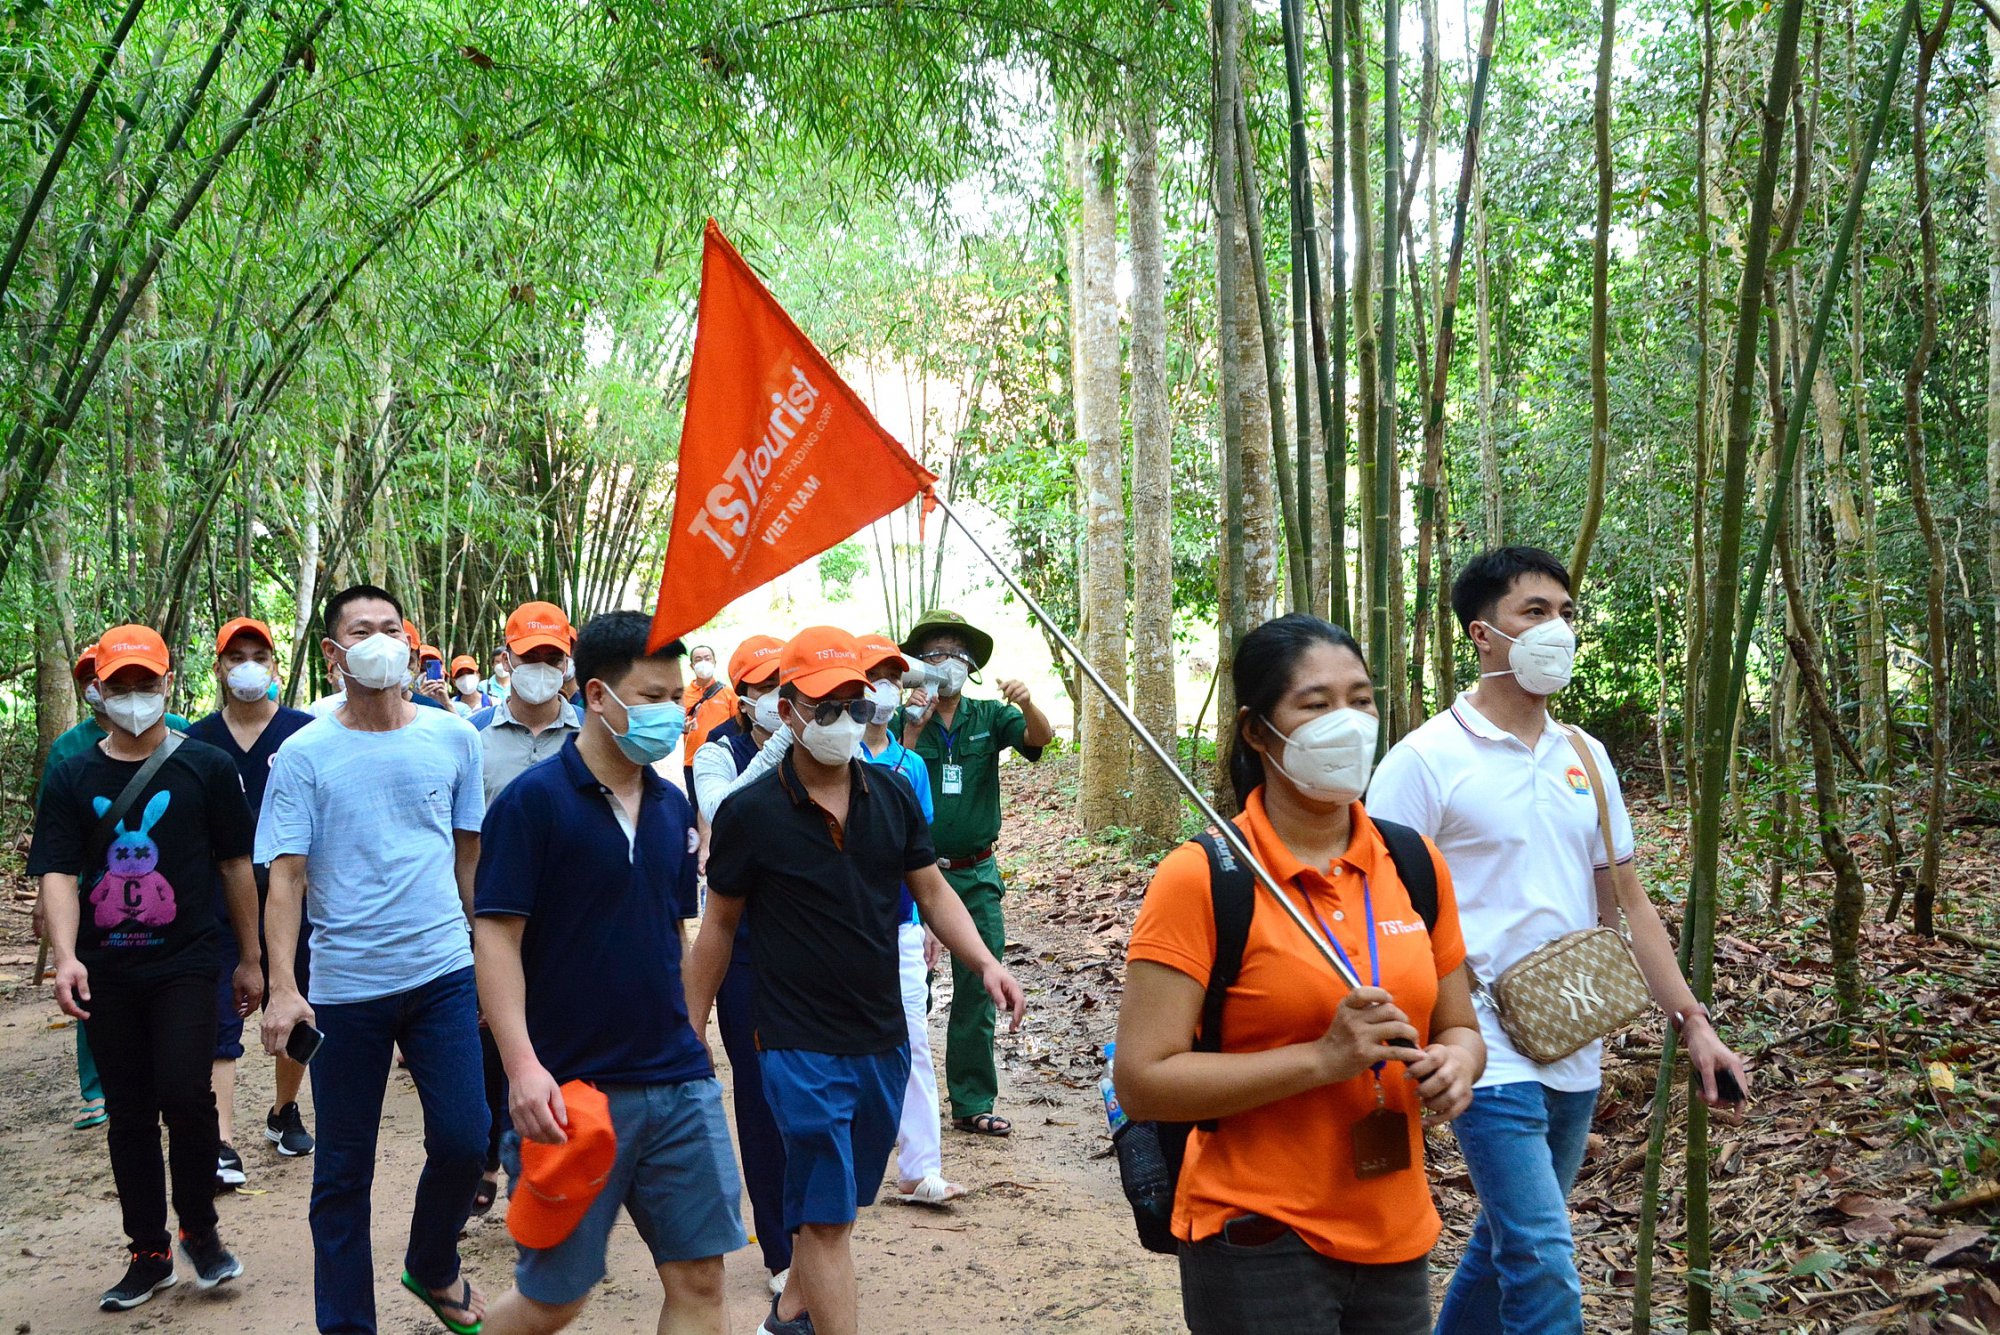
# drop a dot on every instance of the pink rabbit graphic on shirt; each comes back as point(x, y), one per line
point(132, 888)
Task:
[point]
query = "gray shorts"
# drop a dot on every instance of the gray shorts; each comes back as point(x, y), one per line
point(675, 1174)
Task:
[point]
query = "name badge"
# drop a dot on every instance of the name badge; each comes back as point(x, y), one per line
point(1381, 1144)
point(951, 780)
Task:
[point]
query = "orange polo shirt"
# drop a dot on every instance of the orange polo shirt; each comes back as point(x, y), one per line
point(1293, 1160)
point(705, 717)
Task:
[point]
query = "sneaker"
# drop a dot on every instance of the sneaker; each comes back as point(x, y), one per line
point(211, 1260)
point(147, 1275)
point(802, 1324)
point(284, 1128)
point(228, 1168)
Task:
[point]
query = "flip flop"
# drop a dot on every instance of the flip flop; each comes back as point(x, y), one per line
point(93, 1114)
point(482, 1199)
point(933, 1191)
point(984, 1124)
point(438, 1305)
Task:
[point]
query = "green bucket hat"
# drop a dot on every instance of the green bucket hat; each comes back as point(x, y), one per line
point(940, 619)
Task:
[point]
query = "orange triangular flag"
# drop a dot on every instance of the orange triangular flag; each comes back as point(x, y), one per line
point(779, 458)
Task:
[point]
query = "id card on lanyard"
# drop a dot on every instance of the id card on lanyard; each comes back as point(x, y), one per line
point(1381, 1138)
point(951, 774)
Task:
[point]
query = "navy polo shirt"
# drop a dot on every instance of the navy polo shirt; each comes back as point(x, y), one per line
point(602, 947)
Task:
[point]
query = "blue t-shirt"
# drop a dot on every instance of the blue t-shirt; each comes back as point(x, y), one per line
point(601, 951)
point(255, 764)
point(374, 814)
point(894, 755)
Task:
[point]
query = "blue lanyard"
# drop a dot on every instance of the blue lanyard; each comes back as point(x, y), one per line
point(1368, 909)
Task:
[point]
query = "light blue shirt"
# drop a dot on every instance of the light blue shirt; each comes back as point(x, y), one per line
point(894, 755)
point(373, 813)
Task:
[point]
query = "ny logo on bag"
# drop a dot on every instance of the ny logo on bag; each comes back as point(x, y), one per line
point(1580, 992)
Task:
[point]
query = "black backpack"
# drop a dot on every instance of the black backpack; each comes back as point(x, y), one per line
point(1150, 1153)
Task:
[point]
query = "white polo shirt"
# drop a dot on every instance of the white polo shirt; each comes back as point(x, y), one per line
point(1518, 828)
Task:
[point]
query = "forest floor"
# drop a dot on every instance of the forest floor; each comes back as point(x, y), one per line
point(1832, 1198)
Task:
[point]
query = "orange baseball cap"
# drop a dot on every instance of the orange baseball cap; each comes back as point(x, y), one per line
point(240, 626)
point(466, 661)
point(879, 649)
point(131, 646)
point(86, 663)
point(558, 1183)
point(427, 651)
point(820, 658)
point(539, 626)
point(755, 660)
point(410, 631)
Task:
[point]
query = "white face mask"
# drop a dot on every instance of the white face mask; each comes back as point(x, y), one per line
point(764, 712)
point(704, 670)
point(1330, 758)
point(886, 696)
point(952, 676)
point(466, 683)
point(833, 743)
point(378, 662)
point(136, 712)
point(249, 682)
point(537, 683)
point(1542, 659)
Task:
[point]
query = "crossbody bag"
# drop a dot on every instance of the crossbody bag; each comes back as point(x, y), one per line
point(1568, 993)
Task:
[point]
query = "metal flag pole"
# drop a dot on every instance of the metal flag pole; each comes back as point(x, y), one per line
point(1239, 846)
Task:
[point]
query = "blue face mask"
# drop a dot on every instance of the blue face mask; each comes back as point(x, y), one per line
point(651, 731)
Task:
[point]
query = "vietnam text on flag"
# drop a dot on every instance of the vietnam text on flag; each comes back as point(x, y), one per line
point(779, 459)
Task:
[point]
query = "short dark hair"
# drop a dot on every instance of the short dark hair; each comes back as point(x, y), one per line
point(611, 642)
point(1489, 577)
point(1266, 661)
point(355, 593)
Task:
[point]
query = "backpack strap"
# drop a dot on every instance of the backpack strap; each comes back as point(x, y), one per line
point(1413, 864)
point(1233, 896)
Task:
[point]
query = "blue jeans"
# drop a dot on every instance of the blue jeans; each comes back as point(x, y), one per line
point(756, 1130)
point(1523, 1144)
point(437, 1026)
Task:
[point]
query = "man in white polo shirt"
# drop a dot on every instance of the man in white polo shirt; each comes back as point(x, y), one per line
point(1497, 786)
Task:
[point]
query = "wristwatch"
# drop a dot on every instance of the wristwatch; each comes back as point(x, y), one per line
point(1680, 1018)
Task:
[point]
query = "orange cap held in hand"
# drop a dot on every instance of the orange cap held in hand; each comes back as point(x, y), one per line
point(558, 1183)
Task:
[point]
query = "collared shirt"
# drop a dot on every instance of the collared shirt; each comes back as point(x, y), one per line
point(1285, 994)
point(969, 820)
point(511, 747)
point(601, 951)
point(895, 756)
point(1518, 825)
point(822, 899)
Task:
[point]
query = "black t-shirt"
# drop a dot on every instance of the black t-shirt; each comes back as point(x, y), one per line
point(147, 909)
point(253, 765)
point(823, 915)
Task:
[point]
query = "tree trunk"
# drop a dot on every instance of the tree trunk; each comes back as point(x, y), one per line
point(1492, 507)
point(1232, 584)
point(1381, 638)
point(1367, 350)
point(1340, 608)
point(1937, 670)
point(1156, 801)
point(55, 629)
point(1993, 335)
point(1600, 303)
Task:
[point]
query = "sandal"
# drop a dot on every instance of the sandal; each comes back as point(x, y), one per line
point(482, 1199)
point(984, 1124)
point(93, 1114)
point(932, 1190)
point(439, 1305)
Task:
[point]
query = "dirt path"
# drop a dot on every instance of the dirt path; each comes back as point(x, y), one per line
point(1043, 1244)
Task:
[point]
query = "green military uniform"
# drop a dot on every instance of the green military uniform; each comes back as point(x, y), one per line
point(964, 765)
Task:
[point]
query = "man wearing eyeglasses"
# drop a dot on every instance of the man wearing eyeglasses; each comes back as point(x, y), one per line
point(960, 740)
point(818, 850)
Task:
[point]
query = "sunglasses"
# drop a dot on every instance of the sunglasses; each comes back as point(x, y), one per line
point(828, 712)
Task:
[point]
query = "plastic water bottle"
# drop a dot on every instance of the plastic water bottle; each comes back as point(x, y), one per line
point(1113, 1114)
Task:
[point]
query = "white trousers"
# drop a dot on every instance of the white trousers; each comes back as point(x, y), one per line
point(917, 1150)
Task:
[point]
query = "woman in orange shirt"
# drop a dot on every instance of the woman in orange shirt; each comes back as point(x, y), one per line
point(1306, 1208)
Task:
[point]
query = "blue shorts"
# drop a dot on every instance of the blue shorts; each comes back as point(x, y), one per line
point(675, 1174)
point(228, 1024)
point(838, 1117)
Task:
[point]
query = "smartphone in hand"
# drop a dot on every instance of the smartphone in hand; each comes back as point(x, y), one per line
point(302, 1044)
